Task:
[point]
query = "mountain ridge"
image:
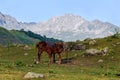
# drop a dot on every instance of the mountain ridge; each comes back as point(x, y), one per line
point(68, 27)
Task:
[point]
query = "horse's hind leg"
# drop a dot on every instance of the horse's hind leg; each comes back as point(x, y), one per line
point(50, 58)
point(59, 59)
point(53, 58)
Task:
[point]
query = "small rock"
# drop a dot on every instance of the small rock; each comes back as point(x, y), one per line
point(26, 47)
point(30, 65)
point(93, 42)
point(36, 62)
point(25, 54)
point(20, 45)
point(104, 51)
point(100, 60)
point(75, 55)
point(112, 57)
point(118, 43)
point(114, 45)
point(30, 75)
point(58, 62)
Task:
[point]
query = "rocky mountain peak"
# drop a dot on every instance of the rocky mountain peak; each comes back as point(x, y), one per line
point(67, 18)
point(96, 21)
point(68, 27)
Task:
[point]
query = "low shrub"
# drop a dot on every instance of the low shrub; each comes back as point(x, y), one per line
point(19, 63)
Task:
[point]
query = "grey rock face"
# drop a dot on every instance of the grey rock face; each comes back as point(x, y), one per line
point(68, 27)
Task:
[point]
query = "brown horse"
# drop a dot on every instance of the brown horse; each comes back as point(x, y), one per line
point(51, 49)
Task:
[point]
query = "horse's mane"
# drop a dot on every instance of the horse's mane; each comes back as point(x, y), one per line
point(43, 43)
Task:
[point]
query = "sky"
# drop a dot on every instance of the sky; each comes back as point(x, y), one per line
point(42, 10)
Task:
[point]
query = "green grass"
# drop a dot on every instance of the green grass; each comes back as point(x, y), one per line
point(14, 64)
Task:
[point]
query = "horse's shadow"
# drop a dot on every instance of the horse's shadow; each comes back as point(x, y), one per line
point(67, 60)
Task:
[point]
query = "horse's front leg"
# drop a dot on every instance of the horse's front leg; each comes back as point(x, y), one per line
point(39, 56)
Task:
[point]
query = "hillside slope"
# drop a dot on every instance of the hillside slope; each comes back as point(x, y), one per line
point(21, 37)
point(13, 36)
point(17, 62)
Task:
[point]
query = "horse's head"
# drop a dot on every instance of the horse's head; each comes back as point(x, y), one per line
point(41, 45)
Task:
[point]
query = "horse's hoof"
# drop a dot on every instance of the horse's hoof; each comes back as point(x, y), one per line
point(58, 62)
point(36, 62)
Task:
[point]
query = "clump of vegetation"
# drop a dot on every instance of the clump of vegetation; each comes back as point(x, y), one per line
point(20, 63)
point(109, 39)
point(116, 35)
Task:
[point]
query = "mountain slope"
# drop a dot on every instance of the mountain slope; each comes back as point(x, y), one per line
point(72, 27)
point(10, 22)
point(21, 37)
point(6, 36)
point(39, 37)
point(68, 27)
point(14, 36)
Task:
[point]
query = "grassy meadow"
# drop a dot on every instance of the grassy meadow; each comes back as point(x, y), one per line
point(15, 62)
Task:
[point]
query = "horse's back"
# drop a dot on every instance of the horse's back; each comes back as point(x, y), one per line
point(53, 46)
point(50, 44)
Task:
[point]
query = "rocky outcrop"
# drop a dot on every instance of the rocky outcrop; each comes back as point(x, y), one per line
point(92, 52)
point(70, 47)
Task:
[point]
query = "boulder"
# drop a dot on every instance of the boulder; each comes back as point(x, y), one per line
point(90, 52)
point(31, 75)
